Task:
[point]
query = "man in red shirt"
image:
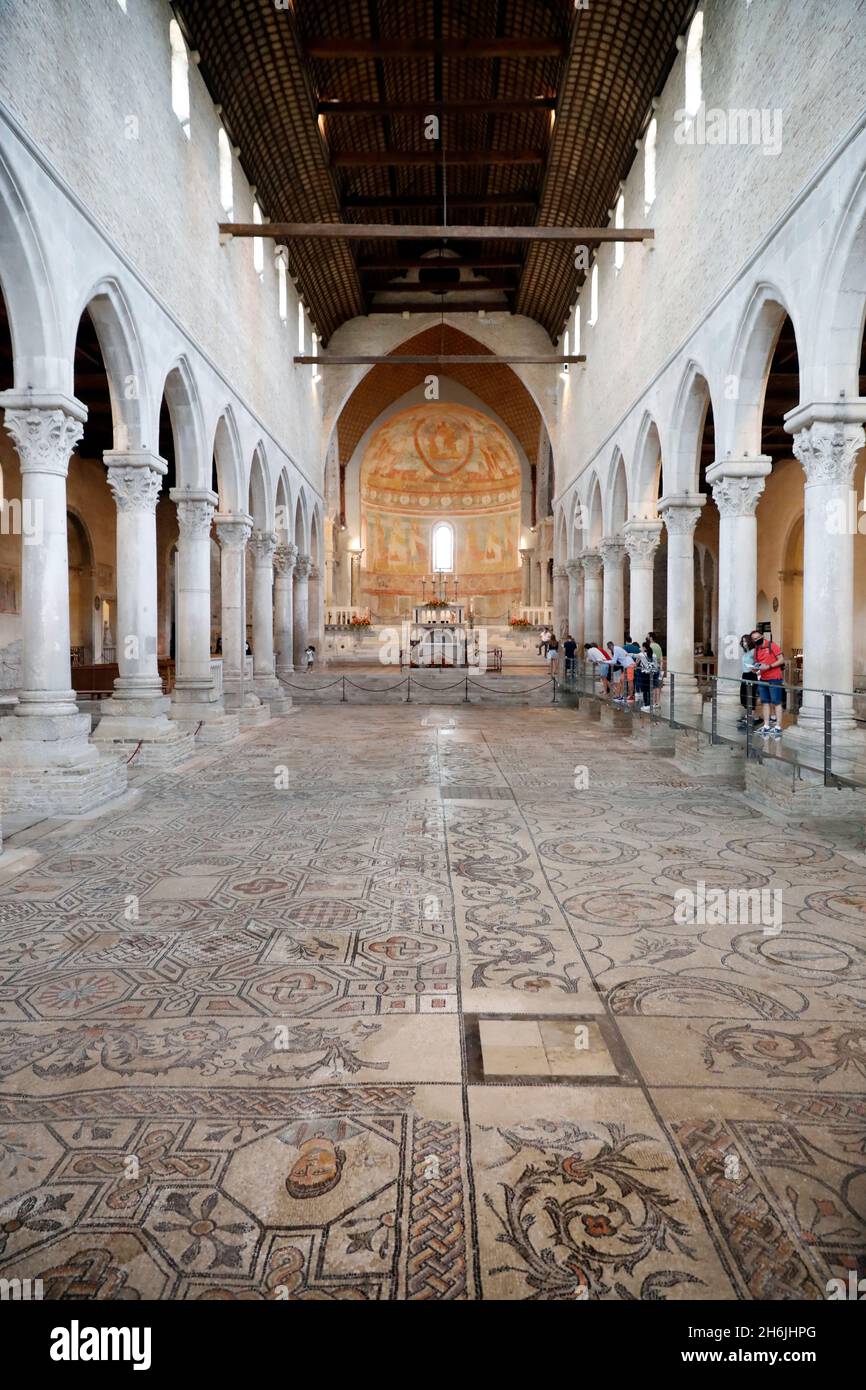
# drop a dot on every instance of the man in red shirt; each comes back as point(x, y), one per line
point(769, 662)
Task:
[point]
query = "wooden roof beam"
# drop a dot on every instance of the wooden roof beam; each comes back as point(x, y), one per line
point(379, 231)
point(372, 159)
point(334, 50)
point(336, 106)
point(442, 360)
point(480, 262)
point(458, 287)
point(519, 199)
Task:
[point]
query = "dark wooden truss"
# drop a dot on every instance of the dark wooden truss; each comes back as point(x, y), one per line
point(539, 107)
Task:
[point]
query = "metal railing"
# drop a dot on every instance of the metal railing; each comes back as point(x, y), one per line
point(814, 754)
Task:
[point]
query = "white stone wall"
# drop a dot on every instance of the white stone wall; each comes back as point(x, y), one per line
point(75, 79)
point(715, 208)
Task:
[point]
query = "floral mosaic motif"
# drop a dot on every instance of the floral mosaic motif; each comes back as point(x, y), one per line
point(587, 1213)
point(813, 1054)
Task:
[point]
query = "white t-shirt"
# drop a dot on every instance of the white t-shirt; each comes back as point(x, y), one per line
point(623, 658)
point(597, 656)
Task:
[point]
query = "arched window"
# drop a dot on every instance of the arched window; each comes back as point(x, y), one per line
point(301, 328)
point(317, 375)
point(258, 243)
point(577, 330)
point(694, 43)
point(179, 76)
point(282, 286)
point(619, 221)
point(565, 351)
point(593, 296)
point(227, 197)
point(649, 164)
point(443, 547)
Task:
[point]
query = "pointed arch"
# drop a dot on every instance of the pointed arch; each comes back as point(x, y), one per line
point(27, 289)
point(301, 529)
point(184, 408)
point(692, 403)
point(122, 354)
point(750, 363)
point(258, 492)
point(841, 307)
point(616, 495)
point(283, 508)
point(647, 469)
point(316, 538)
point(594, 528)
point(226, 463)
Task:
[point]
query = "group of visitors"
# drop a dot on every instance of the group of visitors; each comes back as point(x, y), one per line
point(631, 670)
point(762, 676)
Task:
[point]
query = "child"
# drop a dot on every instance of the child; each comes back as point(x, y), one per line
point(310, 656)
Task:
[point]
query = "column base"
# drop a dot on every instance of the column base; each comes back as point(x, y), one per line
point(772, 785)
point(652, 734)
point(695, 755)
point(48, 765)
point(271, 693)
point(206, 719)
point(127, 722)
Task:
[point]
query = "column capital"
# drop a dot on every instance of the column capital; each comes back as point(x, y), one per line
point(560, 571)
point(592, 562)
point(574, 568)
point(526, 552)
point(738, 483)
point(285, 556)
point(45, 429)
point(612, 551)
point(681, 512)
point(642, 538)
point(263, 544)
point(233, 529)
point(195, 511)
point(828, 451)
point(303, 566)
point(135, 478)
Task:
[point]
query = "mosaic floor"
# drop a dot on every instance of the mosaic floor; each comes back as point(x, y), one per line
point(396, 1004)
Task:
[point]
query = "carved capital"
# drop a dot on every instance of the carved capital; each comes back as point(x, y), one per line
point(195, 510)
point(574, 569)
point(828, 451)
point(592, 562)
point(233, 530)
point(681, 514)
point(303, 567)
point(560, 572)
point(44, 438)
point(737, 496)
point(641, 542)
point(284, 558)
point(263, 544)
point(135, 480)
point(612, 552)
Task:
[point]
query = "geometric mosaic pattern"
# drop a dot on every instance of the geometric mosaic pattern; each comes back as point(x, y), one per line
point(426, 1024)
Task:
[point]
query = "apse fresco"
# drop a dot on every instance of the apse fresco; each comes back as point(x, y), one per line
point(441, 461)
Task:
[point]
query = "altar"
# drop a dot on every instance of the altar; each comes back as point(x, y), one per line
point(438, 614)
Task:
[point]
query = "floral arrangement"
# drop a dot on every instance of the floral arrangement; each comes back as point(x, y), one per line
point(520, 622)
point(438, 603)
point(359, 620)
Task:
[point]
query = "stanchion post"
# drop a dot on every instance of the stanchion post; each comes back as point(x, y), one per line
point(673, 683)
point(343, 697)
point(828, 739)
point(553, 701)
point(714, 708)
point(466, 691)
point(408, 690)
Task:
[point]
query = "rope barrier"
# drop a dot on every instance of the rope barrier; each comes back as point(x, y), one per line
point(134, 751)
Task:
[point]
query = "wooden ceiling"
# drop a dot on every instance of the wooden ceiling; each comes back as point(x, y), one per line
point(539, 103)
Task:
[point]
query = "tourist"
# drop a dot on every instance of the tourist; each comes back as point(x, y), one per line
point(749, 676)
point(310, 657)
point(647, 667)
point(552, 653)
point(659, 674)
point(769, 662)
point(623, 665)
point(544, 638)
point(569, 646)
point(601, 660)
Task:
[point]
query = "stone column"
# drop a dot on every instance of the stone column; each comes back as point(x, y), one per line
point(44, 753)
point(284, 564)
point(233, 531)
point(828, 448)
point(561, 601)
point(262, 545)
point(303, 565)
point(526, 562)
point(316, 613)
point(138, 710)
point(574, 570)
point(737, 487)
point(195, 703)
point(641, 543)
point(680, 514)
point(613, 613)
point(592, 611)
